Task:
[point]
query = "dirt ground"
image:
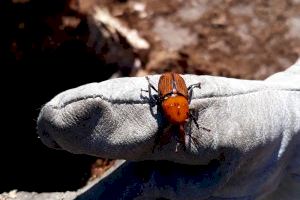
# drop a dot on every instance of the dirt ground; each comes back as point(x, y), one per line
point(241, 39)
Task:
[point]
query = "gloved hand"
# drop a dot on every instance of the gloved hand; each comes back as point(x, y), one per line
point(252, 150)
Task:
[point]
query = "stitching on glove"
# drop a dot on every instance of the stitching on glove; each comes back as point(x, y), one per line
point(117, 101)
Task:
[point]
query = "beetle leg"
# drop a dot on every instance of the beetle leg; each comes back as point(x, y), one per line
point(179, 137)
point(193, 118)
point(196, 123)
point(198, 85)
point(153, 98)
point(150, 85)
point(194, 139)
point(190, 90)
point(182, 136)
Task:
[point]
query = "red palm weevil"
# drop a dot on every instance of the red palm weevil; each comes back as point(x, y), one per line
point(174, 98)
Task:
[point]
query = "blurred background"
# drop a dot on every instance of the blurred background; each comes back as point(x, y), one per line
point(49, 46)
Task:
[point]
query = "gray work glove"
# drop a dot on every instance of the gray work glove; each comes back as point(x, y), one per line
point(252, 150)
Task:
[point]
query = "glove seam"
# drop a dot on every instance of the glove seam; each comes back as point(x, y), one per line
point(131, 102)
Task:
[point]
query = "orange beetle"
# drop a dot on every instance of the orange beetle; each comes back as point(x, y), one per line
point(174, 99)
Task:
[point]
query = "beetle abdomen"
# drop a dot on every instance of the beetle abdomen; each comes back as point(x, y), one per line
point(176, 109)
